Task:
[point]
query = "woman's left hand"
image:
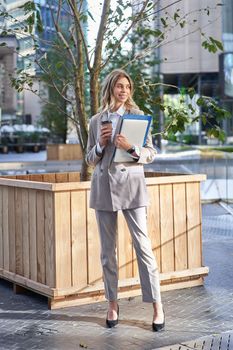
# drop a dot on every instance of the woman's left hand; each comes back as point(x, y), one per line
point(122, 142)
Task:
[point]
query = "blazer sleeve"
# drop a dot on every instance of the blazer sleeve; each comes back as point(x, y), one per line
point(92, 157)
point(147, 152)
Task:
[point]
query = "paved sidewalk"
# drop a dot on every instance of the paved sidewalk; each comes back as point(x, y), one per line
point(25, 322)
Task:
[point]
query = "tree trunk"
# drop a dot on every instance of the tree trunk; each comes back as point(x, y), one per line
point(94, 92)
point(86, 171)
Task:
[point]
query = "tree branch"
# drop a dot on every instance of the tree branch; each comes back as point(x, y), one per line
point(53, 83)
point(77, 21)
point(61, 36)
point(100, 35)
point(118, 43)
point(158, 45)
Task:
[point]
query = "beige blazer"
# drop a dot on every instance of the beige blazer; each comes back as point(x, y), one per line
point(116, 186)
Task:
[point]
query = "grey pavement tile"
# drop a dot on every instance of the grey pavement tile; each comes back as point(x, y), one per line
point(223, 341)
point(213, 209)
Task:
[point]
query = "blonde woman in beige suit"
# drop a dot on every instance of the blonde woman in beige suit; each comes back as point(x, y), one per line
point(121, 186)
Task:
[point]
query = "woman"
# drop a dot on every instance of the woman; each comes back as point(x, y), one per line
point(121, 186)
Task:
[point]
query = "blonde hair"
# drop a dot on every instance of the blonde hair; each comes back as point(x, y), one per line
point(108, 100)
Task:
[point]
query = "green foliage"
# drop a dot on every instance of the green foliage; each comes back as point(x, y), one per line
point(34, 18)
point(60, 68)
point(59, 73)
point(212, 45)
point(53, 119)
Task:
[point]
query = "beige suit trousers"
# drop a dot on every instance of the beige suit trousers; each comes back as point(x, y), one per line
point(148, 269)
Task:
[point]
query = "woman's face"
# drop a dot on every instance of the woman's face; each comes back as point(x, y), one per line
point(121, 91)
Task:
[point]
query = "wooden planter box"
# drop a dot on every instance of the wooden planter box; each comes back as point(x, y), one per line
point(64, 152)
point(49, 241)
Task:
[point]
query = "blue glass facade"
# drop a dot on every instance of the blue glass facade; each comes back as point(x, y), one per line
point(49, 32)
point(227, 25)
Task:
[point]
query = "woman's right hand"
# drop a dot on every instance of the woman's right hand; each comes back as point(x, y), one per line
point(105, 135)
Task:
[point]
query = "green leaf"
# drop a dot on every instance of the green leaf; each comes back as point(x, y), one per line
point(90, 15)
point(39, 24)
point(191, 108)
point(182, 24)
point(204, 119)
point(3, 44)
point(163, 22)
point(176, 15)
point(219, 44)
point(191, 92)
point(59, 64)
point(119, 11)
point(200, 102)
point(147, 110)
point(157, 32)
point(28, 7)
point(4, 33)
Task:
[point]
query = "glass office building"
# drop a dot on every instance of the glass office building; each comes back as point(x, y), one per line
point(26, 45)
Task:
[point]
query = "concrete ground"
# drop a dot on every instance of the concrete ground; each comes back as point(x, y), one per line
point(191, 314)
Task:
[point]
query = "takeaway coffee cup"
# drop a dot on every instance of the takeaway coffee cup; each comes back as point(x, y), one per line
point(107, 124)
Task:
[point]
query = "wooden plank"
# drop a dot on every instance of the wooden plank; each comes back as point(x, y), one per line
point(52, 152)
point(1, 229)
point(125, 249)
point(25, 233)
point(135, 272)
point(49, 239)
point(79, 238)
point(62, 239)
point(18, 232)
point(27, 283)
point(167, 277)
point(32, 235)
point(61, 177)
point(22, 177)
point(36, 177)
point(5, 228)
point(71, 300)
point(86, 184)
point(19, 289)
point(153, 220)
point(40, 236)
point(68, 186)
point(26, 184)
point(49, 177)
point(64, 152)
point(99, 296)
point(194, 225)
point(175, 179)
point(165, 287)
point(74, 177)
point(180, 229)
point(166, 219)
point(93, 247)
point(11, 225)
point(8, 176)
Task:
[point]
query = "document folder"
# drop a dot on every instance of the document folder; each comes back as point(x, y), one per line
point(135, 128)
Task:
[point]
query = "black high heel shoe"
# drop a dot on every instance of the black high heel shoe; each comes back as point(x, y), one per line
point(157, 327)
point(112, 323)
